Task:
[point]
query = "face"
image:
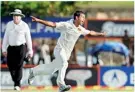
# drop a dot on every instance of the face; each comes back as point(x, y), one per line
point(16, 19)
point(81, 19)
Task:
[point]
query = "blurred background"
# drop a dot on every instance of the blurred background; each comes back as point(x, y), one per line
point(94, 58)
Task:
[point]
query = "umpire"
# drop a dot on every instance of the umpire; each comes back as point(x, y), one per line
point(16, 37)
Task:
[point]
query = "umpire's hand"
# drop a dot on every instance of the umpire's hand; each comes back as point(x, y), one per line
point(4, 54)
point(29, 57)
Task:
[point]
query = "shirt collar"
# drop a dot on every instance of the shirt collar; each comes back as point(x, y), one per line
point(72, 22)
point(18, 24)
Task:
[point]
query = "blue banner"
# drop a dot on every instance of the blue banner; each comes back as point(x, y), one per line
point(117, 76)
point(37, 30)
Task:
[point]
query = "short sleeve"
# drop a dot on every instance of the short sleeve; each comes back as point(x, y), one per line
point(60, 25)
point(85, 31)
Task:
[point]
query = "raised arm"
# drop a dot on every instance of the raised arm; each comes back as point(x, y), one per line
point(47, 23)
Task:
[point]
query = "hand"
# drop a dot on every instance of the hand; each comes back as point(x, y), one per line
point(34, 18)
point(4, 54)
point(29, 57)
point(103, 34)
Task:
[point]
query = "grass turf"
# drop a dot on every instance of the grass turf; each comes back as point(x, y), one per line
point(68, 91)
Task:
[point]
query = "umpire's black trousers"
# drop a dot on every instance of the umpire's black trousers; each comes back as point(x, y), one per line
point(15, 58)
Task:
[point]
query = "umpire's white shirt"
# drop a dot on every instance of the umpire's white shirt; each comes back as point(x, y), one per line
point(16, 35)
point(69, 35)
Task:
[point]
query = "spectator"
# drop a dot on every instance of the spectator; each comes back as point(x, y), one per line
point(126, 39)
point(45, 51)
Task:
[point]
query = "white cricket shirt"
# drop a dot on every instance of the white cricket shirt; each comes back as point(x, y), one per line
point(69, 35)
point(16, 35)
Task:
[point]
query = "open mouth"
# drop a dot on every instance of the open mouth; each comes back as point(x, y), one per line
point(82, 22)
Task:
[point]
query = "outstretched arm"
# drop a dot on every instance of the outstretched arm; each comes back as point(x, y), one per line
point(47, 23)
point(93, 33)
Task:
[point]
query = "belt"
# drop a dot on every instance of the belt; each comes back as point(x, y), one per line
point(17, 45)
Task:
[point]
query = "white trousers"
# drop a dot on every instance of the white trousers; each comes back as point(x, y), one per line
point(60, 63)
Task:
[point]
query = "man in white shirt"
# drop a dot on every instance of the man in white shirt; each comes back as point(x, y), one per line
point(16, 37)
point(70, 32)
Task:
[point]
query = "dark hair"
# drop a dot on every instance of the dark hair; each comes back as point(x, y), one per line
point(77, 13)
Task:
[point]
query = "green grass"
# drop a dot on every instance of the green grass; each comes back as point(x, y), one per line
point(73, 89)
point(69, 91)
